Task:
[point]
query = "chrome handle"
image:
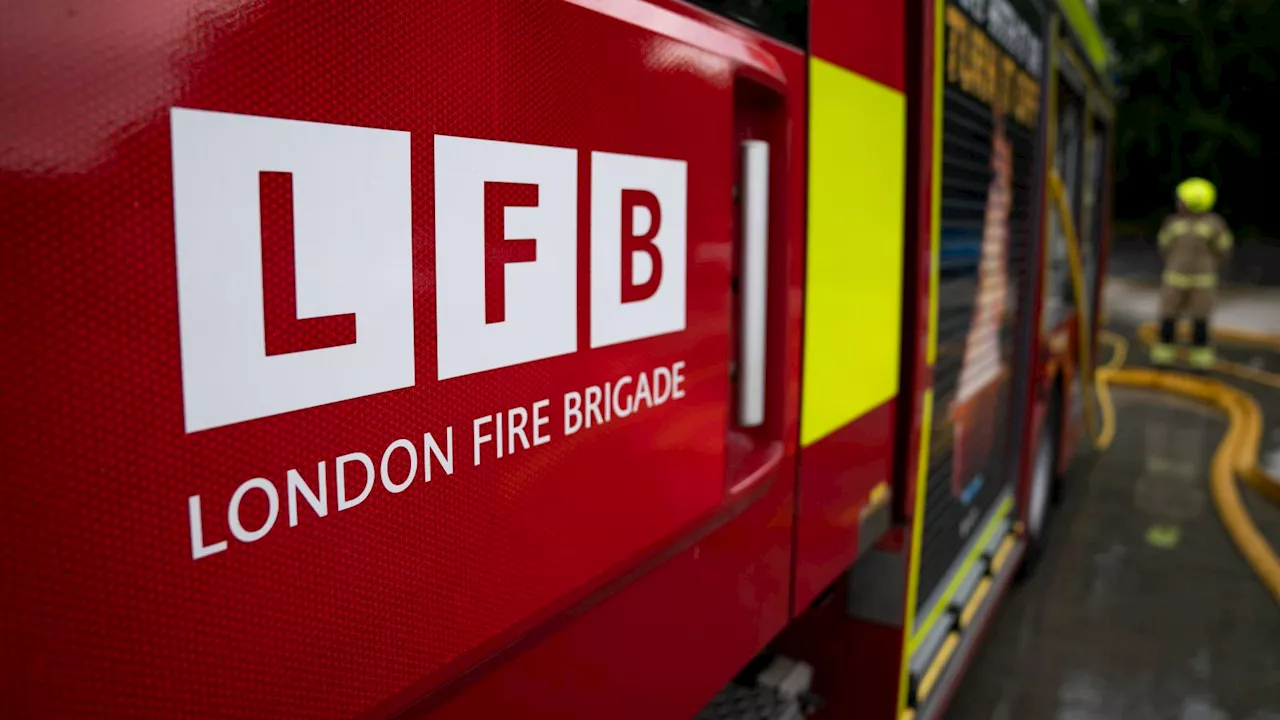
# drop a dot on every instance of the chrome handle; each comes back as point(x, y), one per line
point(754, 290)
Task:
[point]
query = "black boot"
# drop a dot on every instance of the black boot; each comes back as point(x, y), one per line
point(1162, 354)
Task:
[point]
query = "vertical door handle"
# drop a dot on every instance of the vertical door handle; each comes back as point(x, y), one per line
point(754, 291)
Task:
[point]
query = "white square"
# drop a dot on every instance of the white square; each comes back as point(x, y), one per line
point(614, 318)
point(540, 310)
point(353, 248)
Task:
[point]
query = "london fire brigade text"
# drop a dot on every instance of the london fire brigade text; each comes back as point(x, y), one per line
point(255, 509)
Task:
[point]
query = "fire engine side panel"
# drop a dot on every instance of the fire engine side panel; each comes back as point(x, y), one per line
point(680, 630)
point(164, 562)
point(853, 284)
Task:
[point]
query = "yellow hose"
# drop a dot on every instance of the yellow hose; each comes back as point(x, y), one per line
point(1250, 471)
point(1107, 407)
point(1237, 454)
point(1083, 340)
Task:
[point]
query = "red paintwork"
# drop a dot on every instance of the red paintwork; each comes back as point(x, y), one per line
point(597, 555)
point(862, 658)
point(920, 188)
point(865, 37)
point(837, 475)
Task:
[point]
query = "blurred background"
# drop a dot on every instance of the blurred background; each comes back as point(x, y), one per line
point(1197, 83)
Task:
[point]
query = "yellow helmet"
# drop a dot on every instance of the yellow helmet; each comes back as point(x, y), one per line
point(1197, 194)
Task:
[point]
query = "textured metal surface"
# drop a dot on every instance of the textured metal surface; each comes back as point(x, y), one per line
point(955, 496)
point(970, 643)
point(876, 588)
point(964, 590)
point(364, 610)
point(928, 648)
point(737, 702)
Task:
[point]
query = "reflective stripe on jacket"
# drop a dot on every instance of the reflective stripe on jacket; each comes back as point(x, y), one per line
point(1185, 281)
point(1193, 246)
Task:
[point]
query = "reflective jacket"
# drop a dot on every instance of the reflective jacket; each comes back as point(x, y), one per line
point(1193, 246)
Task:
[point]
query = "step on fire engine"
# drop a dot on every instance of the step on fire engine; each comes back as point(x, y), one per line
point(554, 358)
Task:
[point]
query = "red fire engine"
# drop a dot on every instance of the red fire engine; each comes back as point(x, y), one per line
point(539, 358)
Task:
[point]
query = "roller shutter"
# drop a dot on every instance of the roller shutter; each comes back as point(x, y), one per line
point(990, 114)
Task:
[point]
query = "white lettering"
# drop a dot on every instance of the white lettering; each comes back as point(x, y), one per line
point(387, 482)
point(341, 463)
point(642, 391)
point(540, 438)
point(593, 405)
point(497, 432)
point(233, 510)
point(1014, 35)
point(430, 448)
point(572, 412)
point(294, 484)
point(514, 429)
point(661, 385)
point(623, 410)
point(198, 548)
point(677, 377)
point(478, 438)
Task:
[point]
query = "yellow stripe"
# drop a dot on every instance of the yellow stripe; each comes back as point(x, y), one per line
point(1189, 281)
point(1086, 29)
point(1002, 555)
point(931, 355)
point(944, 601)
point(917, 535)
point(1225, 241)
point(975, 602)
point(937, 666)
point(853, 294)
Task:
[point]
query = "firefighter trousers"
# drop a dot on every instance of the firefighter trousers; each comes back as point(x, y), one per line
point(1195, 303)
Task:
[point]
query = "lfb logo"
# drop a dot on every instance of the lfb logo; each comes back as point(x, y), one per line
point(295, 258)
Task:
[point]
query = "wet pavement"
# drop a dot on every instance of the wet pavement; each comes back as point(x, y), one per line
point(1141, 606)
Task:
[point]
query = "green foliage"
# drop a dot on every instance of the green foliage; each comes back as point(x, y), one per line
point(1198, 80)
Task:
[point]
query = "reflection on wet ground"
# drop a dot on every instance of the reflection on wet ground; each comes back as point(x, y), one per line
point(1141, 607)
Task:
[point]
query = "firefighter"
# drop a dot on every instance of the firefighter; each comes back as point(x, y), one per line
point(1193, 241)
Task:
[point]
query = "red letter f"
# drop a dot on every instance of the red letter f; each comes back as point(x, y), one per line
point(498, 250)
